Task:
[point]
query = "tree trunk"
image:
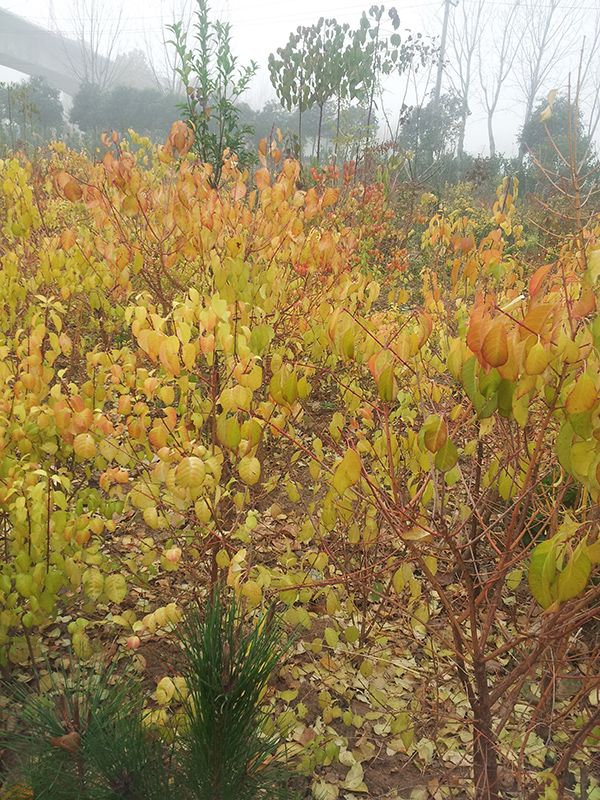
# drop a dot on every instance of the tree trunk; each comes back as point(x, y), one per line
point(491, 136)
point(337, 127)
point(300, 132)
point(485, 759)
point(319, 134)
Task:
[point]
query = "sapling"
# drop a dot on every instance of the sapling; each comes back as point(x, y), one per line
point(84, 734)
point(83, 738)
point(229, 752)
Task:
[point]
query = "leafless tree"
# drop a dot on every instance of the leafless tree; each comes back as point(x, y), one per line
point(496, 56)
point(96, 27)
point(551, 31)
point(161, 55)
point(589, 89)
point(465, 29)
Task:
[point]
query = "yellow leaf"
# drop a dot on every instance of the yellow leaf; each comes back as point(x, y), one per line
point(354, 779)
point(84, 445)
point(417, 534)
point(328, 664)
point(252, 591)
point(249, 469)
point(165, 691)
point(348, 472)
point(583, 395)
point(537, 359)
point(115, 588)
point(190, 472)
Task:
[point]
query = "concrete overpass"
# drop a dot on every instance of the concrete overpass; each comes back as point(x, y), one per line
point(33, 50)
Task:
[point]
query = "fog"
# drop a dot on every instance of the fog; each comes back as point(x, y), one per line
point(260, 28)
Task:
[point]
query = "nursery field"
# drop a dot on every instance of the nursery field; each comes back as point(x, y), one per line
point(340, 402)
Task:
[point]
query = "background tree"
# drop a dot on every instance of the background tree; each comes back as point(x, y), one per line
point(288, 76)
point(551, 33)
point(147, 111)
point(547, 146)
point(214, 85)
point(464, 34)
point(432, 131)
point(496, 56)
point(96, 27)
point(33, 106)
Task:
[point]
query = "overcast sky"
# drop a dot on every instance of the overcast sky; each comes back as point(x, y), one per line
point(260, 27)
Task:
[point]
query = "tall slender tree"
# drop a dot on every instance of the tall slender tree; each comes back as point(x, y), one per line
point(496, 56)
point(464, 35)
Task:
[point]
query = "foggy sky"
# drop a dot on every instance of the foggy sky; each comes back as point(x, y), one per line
point(259, 28)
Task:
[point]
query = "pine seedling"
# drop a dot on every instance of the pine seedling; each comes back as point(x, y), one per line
point(227, 755)
point(83, 738)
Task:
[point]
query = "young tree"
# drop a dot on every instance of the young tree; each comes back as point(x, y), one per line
point(325, 66)
point(378, 53)
point(162, 59)
point(214, 84)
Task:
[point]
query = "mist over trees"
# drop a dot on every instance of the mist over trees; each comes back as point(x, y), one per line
point(340, 90)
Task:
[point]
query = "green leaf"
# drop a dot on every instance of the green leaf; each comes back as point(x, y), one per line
point(574, 576)
point(564, 440)
point(446, 457)
point(542, 574)
point(506, 391)
point(352, 634)
point(469, 378)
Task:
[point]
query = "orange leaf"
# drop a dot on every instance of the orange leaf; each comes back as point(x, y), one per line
point(330, 197)
point(424, 330)
point(534, 321)
point(73, 191)
point(130, 206)
point(62, 179)
point(435, 434)
point(238, 190)
point(262, 179)
point(495, 346)
point(510, 369)
point(262, 152)
point(537, 279)
point(67, 239)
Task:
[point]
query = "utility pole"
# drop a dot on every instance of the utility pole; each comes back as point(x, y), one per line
point(438, 83)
